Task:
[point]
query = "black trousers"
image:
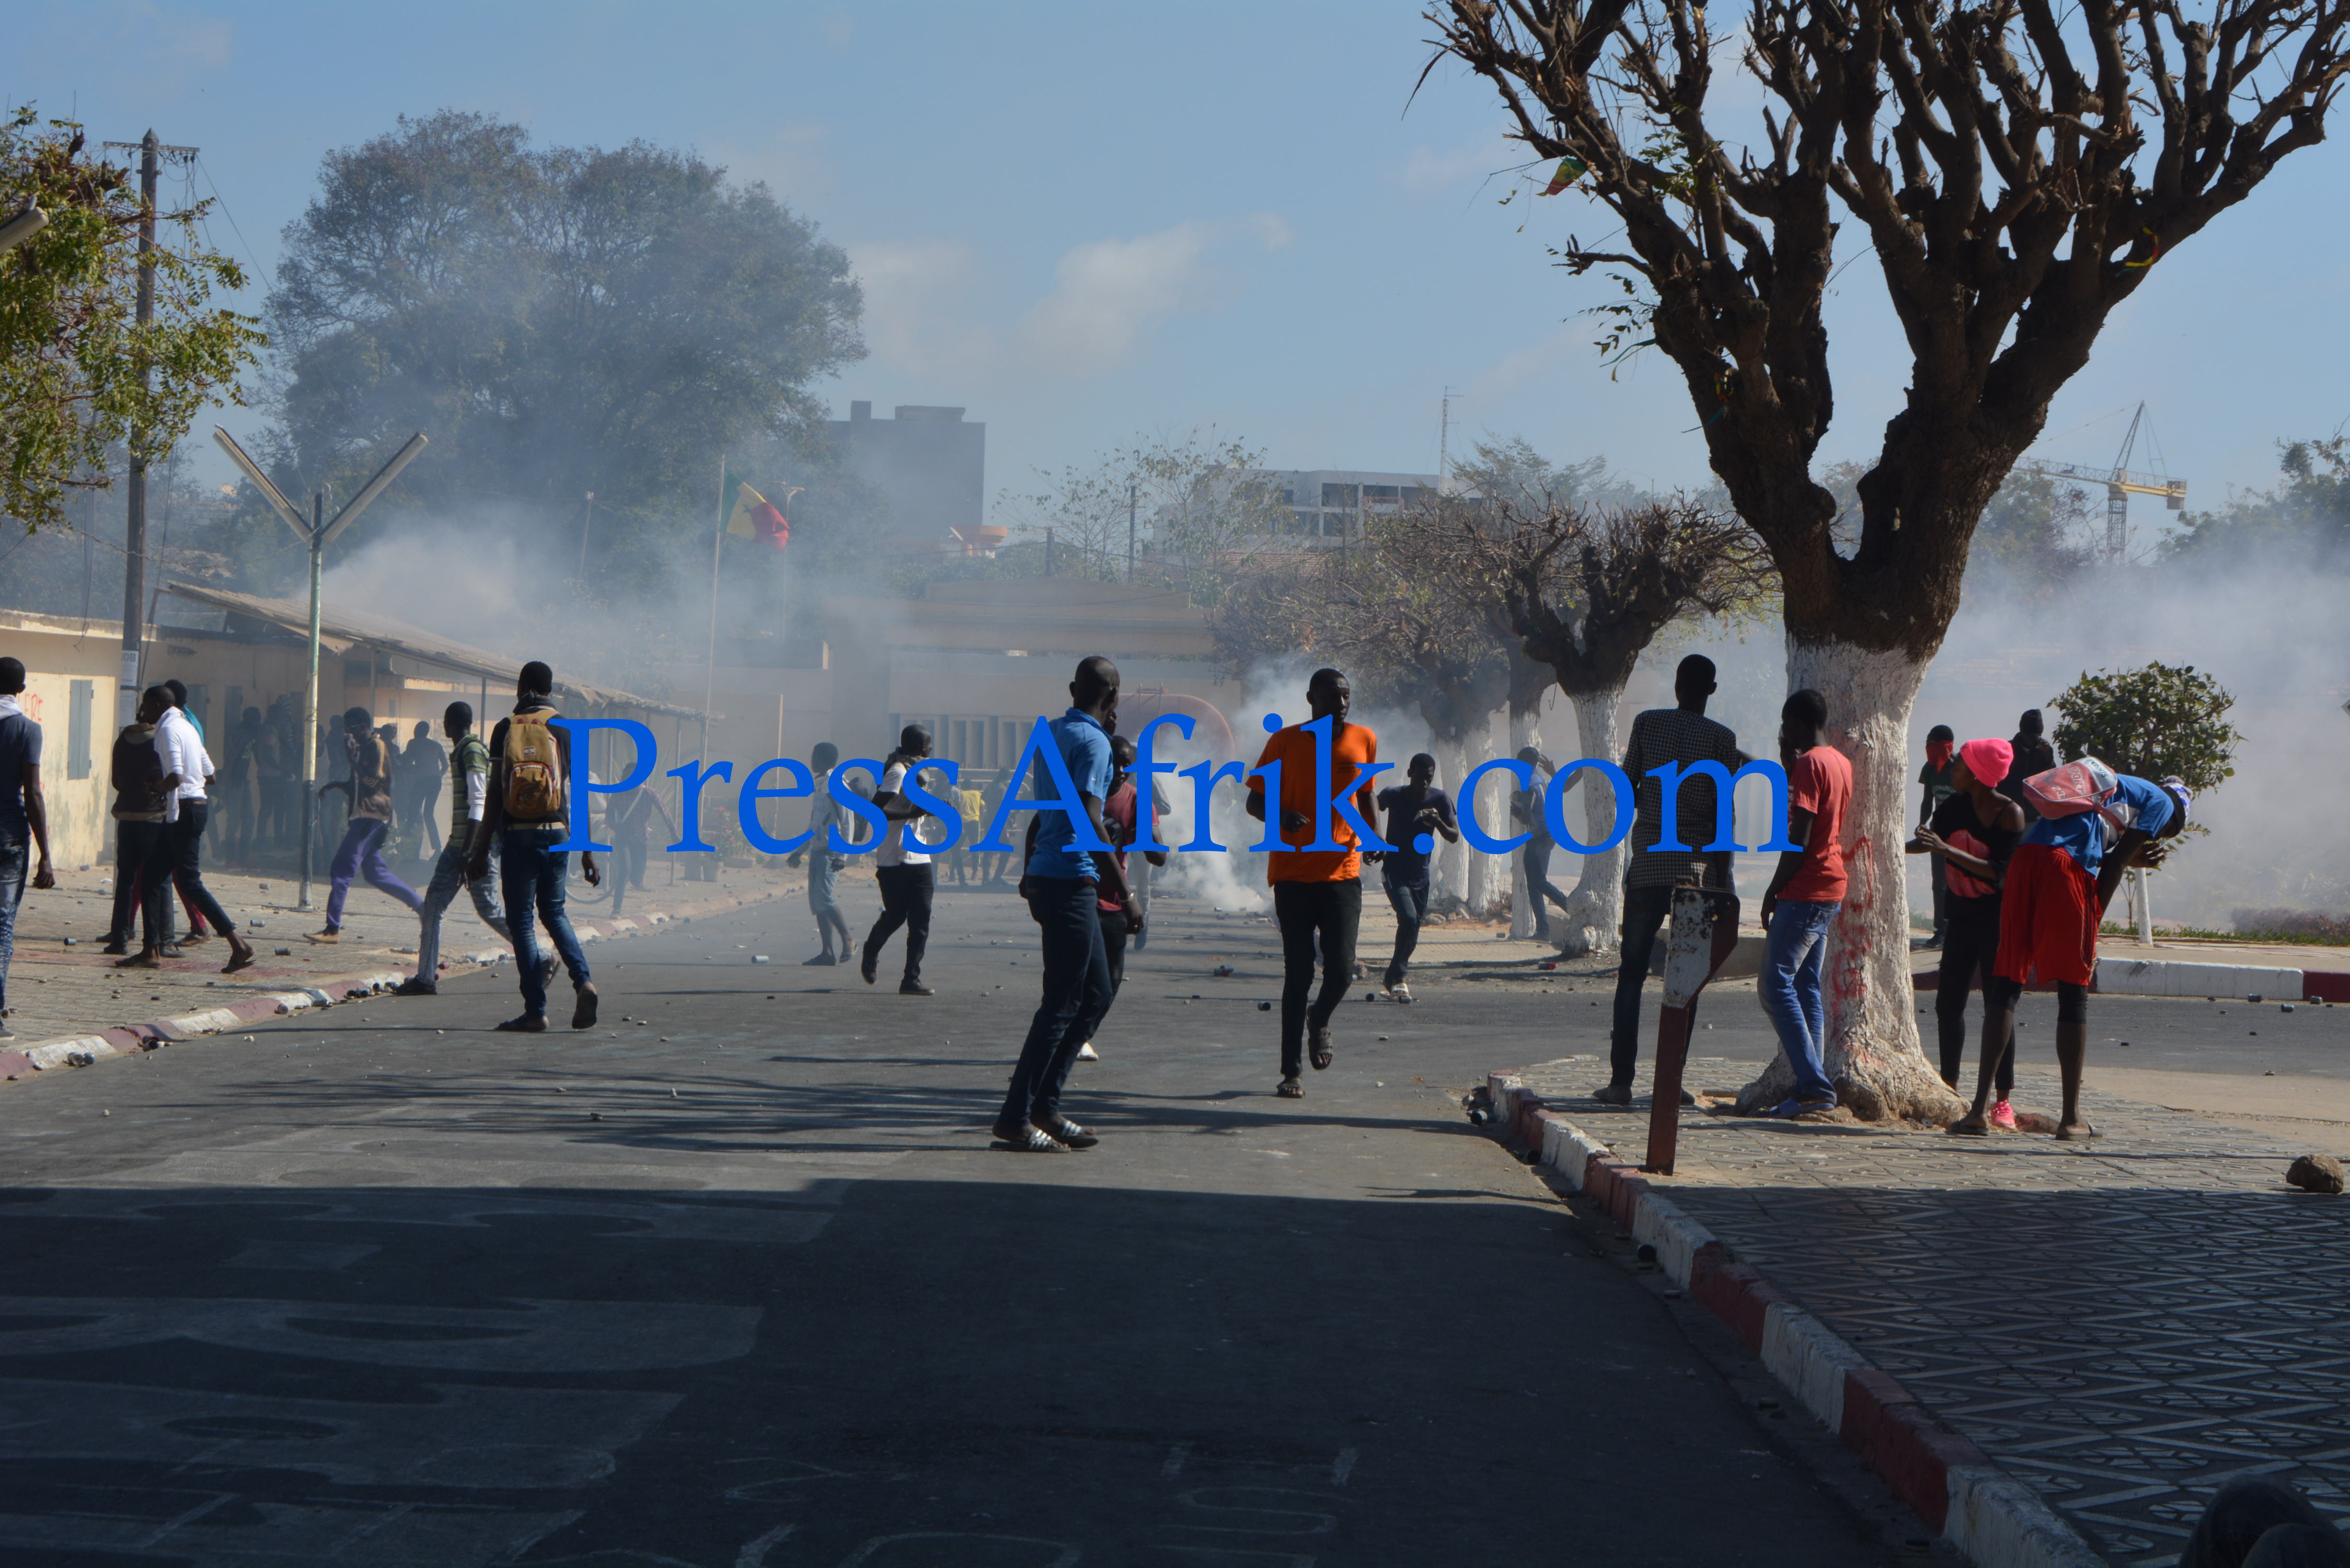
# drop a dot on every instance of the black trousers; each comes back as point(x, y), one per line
point(174, 861)
point(1113, 934)
point(134, 842)
point(906, 893)
point(1314, 915)
point(1645, 910)
point(1969, 943)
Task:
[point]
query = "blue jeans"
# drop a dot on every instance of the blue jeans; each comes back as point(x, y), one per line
point(1409, 902)
point(1790, 989)
point(531, 875)
point(1539, 891)
point(361, 854)
point(16, 866)
point(448, 875)
point(1076, 991)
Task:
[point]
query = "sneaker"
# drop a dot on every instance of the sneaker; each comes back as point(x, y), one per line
point(583, 1009)
point(1612, 1094)
point(1086, 1053)
point(528, 1023)
point(1290, 1088)
point(194, 937)
point(819, 959)
point(1026, 1139)
point(1400, 991)
point(1068, 1134)
point(331, 934)
point(2003, 1114)
point(867, 971)
point(415, 985)
point(116, 947)
point(914, 988)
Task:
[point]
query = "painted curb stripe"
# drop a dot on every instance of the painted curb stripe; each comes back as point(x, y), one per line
point(1997, 1520)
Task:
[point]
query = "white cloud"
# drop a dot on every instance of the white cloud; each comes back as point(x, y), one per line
point(911, 287)
point(1109, 290)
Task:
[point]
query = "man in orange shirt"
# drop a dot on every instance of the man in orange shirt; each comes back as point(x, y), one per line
point(1317, 894)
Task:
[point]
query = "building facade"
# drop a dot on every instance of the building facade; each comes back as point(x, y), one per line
point(929, 464)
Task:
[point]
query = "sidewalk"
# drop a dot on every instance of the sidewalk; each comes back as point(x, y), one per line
point(2203, 966)
point(68, 1004)
point(2056, 1352)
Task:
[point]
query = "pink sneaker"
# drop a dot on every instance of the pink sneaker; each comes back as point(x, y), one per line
point(2003, 1114)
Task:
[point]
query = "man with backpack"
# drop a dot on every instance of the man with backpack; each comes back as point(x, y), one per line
point(361, 850)
point(469, 772)
point(528, 813)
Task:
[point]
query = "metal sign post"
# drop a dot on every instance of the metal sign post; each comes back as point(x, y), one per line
point(1704, 934)
point(314, 531)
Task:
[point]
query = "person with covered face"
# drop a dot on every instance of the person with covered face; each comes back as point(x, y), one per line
point(2056, 892)
point(1973, 834)
point(1317, 894)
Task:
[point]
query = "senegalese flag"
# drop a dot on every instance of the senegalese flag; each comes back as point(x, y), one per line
point(751, 516)
point(1570, 169)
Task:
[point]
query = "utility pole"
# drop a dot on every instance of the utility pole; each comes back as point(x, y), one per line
point(315, 531)
point(1132, 491)
point(583, 524)
point(134, 544)
point(1443, 445)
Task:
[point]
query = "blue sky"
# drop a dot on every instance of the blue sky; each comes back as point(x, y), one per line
point(1087, 222)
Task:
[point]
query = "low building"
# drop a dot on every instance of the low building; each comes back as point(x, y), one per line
point(929, 466)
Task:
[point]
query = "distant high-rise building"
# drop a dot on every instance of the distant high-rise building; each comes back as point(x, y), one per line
point(929, 464)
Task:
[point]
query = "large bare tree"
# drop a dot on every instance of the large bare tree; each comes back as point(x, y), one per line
point(2019, 167)
point(1584, 591)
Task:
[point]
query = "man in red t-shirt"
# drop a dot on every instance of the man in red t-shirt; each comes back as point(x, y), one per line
point(1317, 894)
point(1805, 893)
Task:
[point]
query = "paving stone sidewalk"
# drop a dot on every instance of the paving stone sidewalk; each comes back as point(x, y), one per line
point(58, 989)
point(2123, 1325)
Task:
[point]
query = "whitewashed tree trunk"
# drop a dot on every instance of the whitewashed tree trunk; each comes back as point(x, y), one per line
point(1487, 876)
point(1593, 920)
point(1874, 1056)
point(1525, 729)
point(1452, 860)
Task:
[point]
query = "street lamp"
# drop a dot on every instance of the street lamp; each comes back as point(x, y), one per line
point(23, 226)
point(314, 532)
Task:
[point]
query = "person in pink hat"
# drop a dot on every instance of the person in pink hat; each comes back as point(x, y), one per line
point(1974, 832)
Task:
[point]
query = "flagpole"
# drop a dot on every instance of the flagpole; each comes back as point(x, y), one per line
point(710, 678)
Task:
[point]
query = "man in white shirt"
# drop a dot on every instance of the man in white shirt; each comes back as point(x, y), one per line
point(905, 875)
point(176, 859)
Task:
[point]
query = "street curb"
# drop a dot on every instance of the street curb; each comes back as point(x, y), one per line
point(2180, 978)
point(1997, 1520)
point(131, 1039)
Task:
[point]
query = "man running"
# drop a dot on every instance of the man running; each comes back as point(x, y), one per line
point(1121, 810)
point(1317, 894)
point(1416, 810)
point(527, 815)
point(469, 776)
point(1529, 806)
point(1974, 833)
point(908, 882)
point(1800, 903)
point(1681, 735)
point(176, 860)
point(2058, 887)
point(361, 853)
point(824, 862)
point(1061, 884)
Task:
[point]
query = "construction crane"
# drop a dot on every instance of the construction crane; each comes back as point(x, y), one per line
point(2120, 485)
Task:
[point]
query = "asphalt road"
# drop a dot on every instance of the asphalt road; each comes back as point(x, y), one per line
point(744, 1286)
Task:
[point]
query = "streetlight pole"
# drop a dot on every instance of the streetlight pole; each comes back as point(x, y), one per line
point(584, 524)
point(134, 543)
point(314, 532)
point(1132, 490)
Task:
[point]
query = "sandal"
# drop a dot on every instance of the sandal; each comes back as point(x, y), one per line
point(1318, 1044)
point(1291, 1089)
point(244, 960)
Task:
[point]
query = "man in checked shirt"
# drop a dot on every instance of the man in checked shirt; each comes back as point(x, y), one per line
point(1682, 735)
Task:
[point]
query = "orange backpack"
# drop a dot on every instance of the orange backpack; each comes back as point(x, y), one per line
point(533, 760)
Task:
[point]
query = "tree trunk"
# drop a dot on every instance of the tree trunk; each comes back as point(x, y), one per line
point(1593, 919)
point(1525, 729)
point(1452, 860)
point(1874, 1056)
point(1487, 876)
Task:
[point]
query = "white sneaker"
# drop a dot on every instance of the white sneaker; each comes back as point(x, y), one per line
point(1399, 992)
point(1086, 1053)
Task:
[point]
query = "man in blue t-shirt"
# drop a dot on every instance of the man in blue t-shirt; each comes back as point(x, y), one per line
point(1062, 883)
point(1415, 810)
point(24, 816)
point(2058, 886)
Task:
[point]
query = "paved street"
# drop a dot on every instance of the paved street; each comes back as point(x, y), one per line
point(734, 1279)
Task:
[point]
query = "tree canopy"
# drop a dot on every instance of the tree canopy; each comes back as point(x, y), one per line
point(2153, 721)
point(559, 320)
point(71, 348)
